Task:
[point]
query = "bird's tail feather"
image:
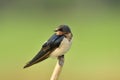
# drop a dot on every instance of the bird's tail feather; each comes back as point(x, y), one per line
point(27, 65)
point(42, 55)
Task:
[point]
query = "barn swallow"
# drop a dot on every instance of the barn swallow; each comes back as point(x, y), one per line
point(57, 45)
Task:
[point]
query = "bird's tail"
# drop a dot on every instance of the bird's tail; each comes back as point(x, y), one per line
point(42, 55)
point(27, 65)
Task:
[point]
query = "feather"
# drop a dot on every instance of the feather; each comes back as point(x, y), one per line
point(46, 49)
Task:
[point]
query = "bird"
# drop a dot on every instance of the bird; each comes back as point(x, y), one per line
point(57, 45)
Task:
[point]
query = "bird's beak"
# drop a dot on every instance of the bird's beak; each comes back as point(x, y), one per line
point(55, 30)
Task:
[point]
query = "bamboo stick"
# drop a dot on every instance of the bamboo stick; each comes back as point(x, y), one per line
point(58, 68)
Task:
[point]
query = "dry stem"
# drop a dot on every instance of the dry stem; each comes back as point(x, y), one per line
point(58, 68)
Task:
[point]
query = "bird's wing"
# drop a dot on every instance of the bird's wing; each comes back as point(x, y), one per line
point(46, 49)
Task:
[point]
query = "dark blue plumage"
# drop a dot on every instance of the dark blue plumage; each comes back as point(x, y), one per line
point(46, 49)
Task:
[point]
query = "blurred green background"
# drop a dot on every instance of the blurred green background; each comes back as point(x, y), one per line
point(26, 24)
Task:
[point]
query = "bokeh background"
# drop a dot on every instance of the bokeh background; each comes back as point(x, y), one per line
point(26, 24)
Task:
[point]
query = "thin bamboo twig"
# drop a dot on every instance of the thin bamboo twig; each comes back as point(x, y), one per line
point(58, 68)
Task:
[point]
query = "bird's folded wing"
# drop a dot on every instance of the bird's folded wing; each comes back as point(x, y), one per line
point(46, 50)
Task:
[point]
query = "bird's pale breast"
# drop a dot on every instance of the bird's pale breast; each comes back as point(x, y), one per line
point(62, 49)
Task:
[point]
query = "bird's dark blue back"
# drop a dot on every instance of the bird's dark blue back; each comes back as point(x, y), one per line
point(52, 43)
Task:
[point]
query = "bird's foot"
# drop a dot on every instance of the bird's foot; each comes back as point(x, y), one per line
point(61, 60)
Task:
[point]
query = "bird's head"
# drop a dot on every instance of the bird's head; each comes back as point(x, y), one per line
point(63, 30)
